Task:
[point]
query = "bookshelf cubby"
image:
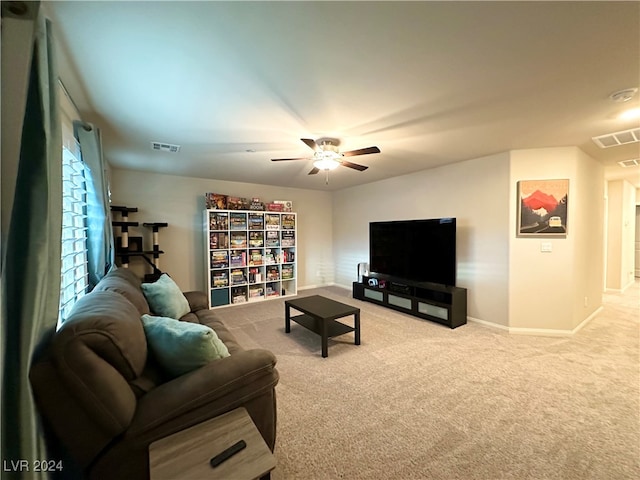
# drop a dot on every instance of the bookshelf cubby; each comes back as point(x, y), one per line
point(251, 255)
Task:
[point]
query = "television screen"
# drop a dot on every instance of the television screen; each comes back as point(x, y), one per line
point(418, 250)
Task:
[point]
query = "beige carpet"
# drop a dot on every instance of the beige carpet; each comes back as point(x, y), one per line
point(420, 401)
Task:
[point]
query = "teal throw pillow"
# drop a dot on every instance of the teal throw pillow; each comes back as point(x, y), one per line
point(165, 298)
point(181, 347)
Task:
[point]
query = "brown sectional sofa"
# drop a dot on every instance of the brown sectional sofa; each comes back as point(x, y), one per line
point(101, 393)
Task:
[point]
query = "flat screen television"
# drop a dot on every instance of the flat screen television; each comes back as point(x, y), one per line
point(418, 250)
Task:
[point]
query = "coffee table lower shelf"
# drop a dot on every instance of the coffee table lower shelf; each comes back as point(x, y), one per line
point(334, 328)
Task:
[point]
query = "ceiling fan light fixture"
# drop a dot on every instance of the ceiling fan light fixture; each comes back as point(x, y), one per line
point(326, 163)
point(326, 160)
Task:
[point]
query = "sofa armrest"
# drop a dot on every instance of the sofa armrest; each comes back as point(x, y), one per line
point(204, 393)
point(197, 300)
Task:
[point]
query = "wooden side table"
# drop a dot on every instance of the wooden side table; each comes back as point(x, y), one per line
point(186, 454)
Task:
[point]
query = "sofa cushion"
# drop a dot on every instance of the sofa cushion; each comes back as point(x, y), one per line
point(124, 282)
point(165, 298)
point(181, 347)
point(97, 351)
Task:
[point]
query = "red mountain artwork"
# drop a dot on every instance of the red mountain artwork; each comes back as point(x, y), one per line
point(538, 200)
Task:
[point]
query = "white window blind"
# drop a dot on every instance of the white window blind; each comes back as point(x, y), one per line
point(74, 276)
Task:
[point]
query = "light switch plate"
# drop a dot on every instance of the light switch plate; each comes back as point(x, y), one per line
point(546, 247)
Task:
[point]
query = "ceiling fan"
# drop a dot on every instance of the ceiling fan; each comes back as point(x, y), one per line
point(327, 157)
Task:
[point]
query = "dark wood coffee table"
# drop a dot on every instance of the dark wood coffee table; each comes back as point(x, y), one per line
point(320, 316)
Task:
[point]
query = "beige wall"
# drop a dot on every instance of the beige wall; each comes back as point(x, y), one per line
point(588, 273)
point(510, 282)
point(621, 208)
point(180, 202)
point(547, 291)
point(475, 192)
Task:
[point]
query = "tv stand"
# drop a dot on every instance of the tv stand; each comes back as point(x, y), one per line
point(431, 301)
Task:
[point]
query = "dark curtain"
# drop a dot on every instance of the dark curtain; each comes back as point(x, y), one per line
point(100, 249)
point(31, 255)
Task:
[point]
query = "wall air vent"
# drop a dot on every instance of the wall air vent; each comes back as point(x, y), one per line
point(165, 147)
point(618, 138)
point(634, 162)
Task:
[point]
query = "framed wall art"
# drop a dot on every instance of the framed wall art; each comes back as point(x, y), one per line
point(542, 208)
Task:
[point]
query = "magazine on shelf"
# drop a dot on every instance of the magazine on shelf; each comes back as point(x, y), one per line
point(272, 290)
point(255, 257)
point(238, 258)
point(256, 292)
point(218, 240)
point(238, 295)
point(256, 239)
point(238, 221)
point(273, 273)
point(220, 278)
point(270, 256)
point(219, 259)
point(288, 222)
point(288, 255)
point(237, 277)
point(287, 272)
point(255, 275)
point(256, 221)
point(218, 221)
point(272, 221)
point(288, 238)
point(238, 239)
point(273, 239)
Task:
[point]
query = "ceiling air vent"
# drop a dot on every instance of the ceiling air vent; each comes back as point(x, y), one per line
point(634, 162)
point(618, 138)
point(165, 147)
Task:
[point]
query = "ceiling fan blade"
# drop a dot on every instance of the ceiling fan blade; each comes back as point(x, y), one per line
point(355, 166)
point(313, 171)
point(287, 159)
point(361, 151)
point(311, 144)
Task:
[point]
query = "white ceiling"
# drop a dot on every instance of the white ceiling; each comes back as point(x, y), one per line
point(429, 83)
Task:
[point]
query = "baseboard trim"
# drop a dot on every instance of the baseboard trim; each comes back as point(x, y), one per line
point(547, 332)
point(588, 319)
point(488, 324)
point(620, 290)
point(309, 287)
